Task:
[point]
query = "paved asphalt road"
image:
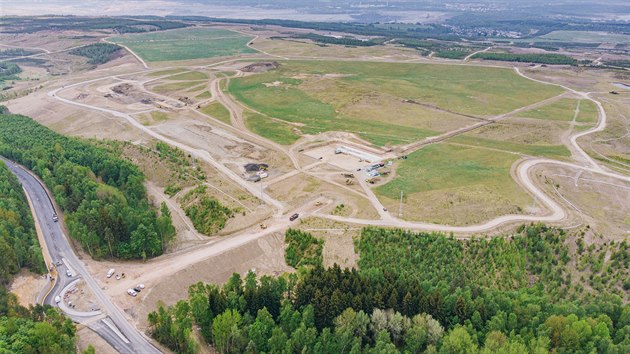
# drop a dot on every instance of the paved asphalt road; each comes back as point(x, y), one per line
point(109, 322)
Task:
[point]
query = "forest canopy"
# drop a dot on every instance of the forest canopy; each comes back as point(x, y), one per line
point(103, 196)
point(412, 293)
point(37, 329)
point(97, 53)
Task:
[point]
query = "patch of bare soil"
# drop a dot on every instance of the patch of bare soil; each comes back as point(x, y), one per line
point(266, 255)
point(598, 201)
point(339, 239)
point(26, 286)
point(79, 296)
point(260, 67)
point(71, 120)
point(87, 337)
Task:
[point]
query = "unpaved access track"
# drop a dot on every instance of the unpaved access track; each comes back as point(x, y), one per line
point(556, 212)
point(162, 267)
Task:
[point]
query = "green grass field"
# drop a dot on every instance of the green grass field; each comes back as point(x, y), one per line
point(217, 111)
point(454, 184)
point(268, 128)
point(191, 75)
point(367, 98)
point(564, 110)
point(588, 112)
point(186, 44)
point(166, 72)
point(204, 95)
point(176, 86)
point(554, 151)
point(585, 37)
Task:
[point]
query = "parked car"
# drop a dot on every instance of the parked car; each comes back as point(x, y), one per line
point(68, 273)
point(136, 290)
point(140, 286)
point(294, 216)
point(132, 292)
point(57, 299)
point(111, 272)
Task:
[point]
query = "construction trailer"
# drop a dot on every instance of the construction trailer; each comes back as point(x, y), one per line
point(363, 155)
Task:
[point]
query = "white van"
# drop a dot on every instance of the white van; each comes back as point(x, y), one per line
point(111, 272)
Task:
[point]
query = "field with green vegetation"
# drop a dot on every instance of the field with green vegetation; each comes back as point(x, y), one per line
point(186, 44)
point(177, 86)
point(218, 111)
point(458, 180)
point(282, 133)
point(166, 72)
point(189, 76)
point(420, 293)
point(588, 112)
point(385, 103)
point(564, 110)
point(585, 37)
point(554, 151)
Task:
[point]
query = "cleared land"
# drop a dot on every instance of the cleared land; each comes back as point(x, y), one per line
point(385, 103)
point(564, 110)
point(191, 75)
point(447, 183)
point(186, 44)
point(585, 37)
point(218, 111)
point(269, 128)
point(306, 49)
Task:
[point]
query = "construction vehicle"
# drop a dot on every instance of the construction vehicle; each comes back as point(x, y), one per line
point(318, 203)
point(348, 175)
point(263, 226)
point(349, 182)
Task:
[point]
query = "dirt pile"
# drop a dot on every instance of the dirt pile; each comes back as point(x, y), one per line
point(261, 67)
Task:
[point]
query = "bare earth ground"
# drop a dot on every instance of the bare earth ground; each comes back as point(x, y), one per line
point(26, 286)
point(87, 337)
point(266, 255)
point(600, 202)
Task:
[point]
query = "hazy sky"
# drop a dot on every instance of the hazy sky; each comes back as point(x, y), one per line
point(318, 10)
point(152, 7)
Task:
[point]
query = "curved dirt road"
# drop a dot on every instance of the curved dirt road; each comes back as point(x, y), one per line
point(557, 212)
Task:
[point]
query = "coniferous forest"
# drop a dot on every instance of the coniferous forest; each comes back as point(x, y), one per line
point(103, 197)
point(413, 293)
point(37, 329)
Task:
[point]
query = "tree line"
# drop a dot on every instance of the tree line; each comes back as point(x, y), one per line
point(346, 41)
point(30, 24)
point(9, 71)
point(430, 305)
point(25, 330)
point(207, 214)
point(97, 53)
point(103, 196)
point(544, 58)
point(19, 246)
point(303, 249)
